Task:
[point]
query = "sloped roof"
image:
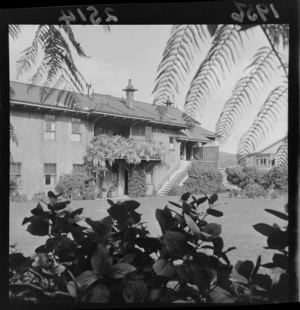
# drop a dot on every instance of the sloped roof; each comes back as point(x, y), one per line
point(111, 105)
point(269, 146)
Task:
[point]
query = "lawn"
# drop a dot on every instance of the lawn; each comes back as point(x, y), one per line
point(239, 216)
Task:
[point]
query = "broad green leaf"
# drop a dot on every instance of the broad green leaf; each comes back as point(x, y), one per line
point(214, 212)
point(86, 279)
point(135, 291)
point(58, 269)
point(264, 229)
point(175, 243)
point(213, 198)
point(281, 215)
point(218, 245)
point(213, 229)
point(187, 208)
point(38, 228)
point(76, 212)
point(278, 239)
point(38, 210)
point(257, 265)
point(262, 280)
point(201, 200)
point(101, 260)
point(244, 268)
point(175, 204)
point(159, 215)
point(193, 226)
point(149, 244)
point(164, 268)
point(71, 287)
point(281, 261)
point(119, 270)
point(220, 296)
point(131, 205)
point(97, 294)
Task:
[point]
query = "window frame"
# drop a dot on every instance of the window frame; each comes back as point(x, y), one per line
point(50, 119)
point(76, 166)
point(16, 174)
point(172, 143)
point(148, 133)
point(49, 173)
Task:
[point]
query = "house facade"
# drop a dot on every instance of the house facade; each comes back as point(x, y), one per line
point(265, 158)
point(53, 137)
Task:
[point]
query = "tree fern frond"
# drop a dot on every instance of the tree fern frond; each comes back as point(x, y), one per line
point(178, 58)
point(14, 31)
point(278, 33)
point(273, 108)
point(281, 157)
point(68, 30)
point(224, 53)
point(264, 64)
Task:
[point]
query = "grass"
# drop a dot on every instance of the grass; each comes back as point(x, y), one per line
point(239, 216)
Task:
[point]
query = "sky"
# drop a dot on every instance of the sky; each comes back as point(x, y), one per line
point(134, 52)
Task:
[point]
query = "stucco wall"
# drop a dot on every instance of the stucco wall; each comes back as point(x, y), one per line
point(34, 150)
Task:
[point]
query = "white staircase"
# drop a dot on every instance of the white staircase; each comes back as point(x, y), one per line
point(174, 178)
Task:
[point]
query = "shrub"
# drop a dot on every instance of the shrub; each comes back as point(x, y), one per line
point(17, 197)
point(235, 176)
point(278, 179)
point(137, 186)
point(234, 192)
point(73, 185)
point(40, 196)
point(203, 180)
point(177, 190)
point(88, 193)
point(254, 191)
point(113, 262)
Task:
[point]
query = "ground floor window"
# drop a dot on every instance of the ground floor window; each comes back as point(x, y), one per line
point(263, 161)
point(49, 174)
point(171, 143)
point(78, 168)
point(15, 173)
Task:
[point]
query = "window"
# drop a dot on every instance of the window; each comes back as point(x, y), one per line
point(49, 174)
point(78, 168)
point(171, 143)
point(49, 127)
point(15, 172)
point(148, 133)
point(138, 131)
point(76, 133)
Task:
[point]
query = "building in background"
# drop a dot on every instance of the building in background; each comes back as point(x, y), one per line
point(53, 138)
point(265, 158)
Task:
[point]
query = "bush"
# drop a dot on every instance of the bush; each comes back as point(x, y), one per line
point(203, 180)
point(17, 197)
point(278, 179)
point(234, 193)
point(177, 190)
point(112, 261)
point(137, 186)
point(254, 191)
point(75, 186)
point(40, 196)
point(88, 193)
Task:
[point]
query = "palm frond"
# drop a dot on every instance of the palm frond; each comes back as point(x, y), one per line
point(247, 89)
point(273, 108)
point(14, 31)
point(177, 61)
point(221, 58)
point(281, 157)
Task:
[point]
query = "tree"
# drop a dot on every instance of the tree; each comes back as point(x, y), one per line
point(227, 42)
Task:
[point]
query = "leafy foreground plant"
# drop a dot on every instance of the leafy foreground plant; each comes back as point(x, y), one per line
point(115, 261)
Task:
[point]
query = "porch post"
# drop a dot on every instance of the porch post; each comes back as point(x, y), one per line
point(184, 150)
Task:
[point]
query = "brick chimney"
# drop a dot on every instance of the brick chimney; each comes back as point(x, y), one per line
point(129, 94)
